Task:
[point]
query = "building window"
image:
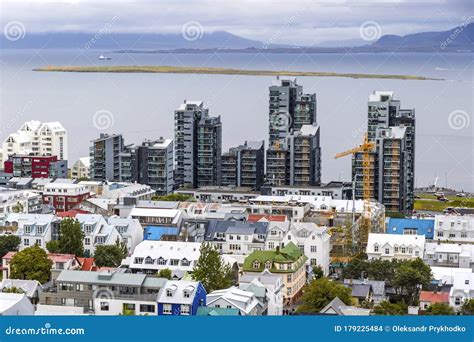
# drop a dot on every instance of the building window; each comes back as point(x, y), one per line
point(27, 229)
point(404, 250)
point(313, 249)
point(376, 248)
point(466, 282)
point(256, 265)
point(149, 261)
point(452, 235)
point(88, 228)
point(440, 234)
point(396, 249)
point(147, 308)
point(167, 309)
point(174, 262)
point(186, 294)
point(161, 261)
point(268, 264)
point(87, 241)
point(387, 250)
point(185, 310)
point(457, 301)
point(234, 247)
point(138, 260)
point(313, 262)
point(169, 293)
point(26, 242)
point(104, 306)
point(271, 245)
point(39, 229)
point(463, 234)
point(289, 278)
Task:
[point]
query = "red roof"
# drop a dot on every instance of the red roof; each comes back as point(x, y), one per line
point(87, 264)
point(434, 297)
point(71, 213)
point(54, 257)
point(274, 218)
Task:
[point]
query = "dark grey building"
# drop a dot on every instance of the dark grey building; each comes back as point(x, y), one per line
point(105, 157)
point(150, 163)
point(243, 166)
point(197, 145)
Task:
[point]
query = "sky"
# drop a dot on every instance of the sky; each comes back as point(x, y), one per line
point(285, 22)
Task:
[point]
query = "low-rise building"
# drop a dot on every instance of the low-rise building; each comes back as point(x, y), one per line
point(270, 284)
point(64, 196)
point(388, 246)
point(338, 308)
point(15, 304)
point(181, 298)
point(410, 226)
point(21, 165)
point(449, 255)
point(288, 262)
point(81, 168)
point(157, 217)
point(454, 228)
point(152, 256)
point(428, 298)
point(18, 201)
point(233, 298)
point(31, 288)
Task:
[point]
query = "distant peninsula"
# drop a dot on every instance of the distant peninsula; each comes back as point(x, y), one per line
point(221, 71)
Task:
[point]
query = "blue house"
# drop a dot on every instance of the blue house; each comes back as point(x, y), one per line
point(410, 226)
point(181, 298)
point(156, 232)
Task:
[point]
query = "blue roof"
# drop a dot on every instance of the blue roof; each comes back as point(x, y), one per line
point(156, 232)
point(399, 225)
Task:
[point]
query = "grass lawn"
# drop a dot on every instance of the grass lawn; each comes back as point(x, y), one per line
point(429, 202)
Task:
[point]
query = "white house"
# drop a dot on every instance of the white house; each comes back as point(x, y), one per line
point(152, 256)
point(22, 201)
point(80, 169)
point(449, 255)
point(157, 216)
point(97, 231)
point(314, 241)
point(233, 298)
point(36, 138)
point(392, 246)
point(273, 286)
point(31, 228)
point(462, 289)
point(15, 304)
point(130, 230)
point(454, 228)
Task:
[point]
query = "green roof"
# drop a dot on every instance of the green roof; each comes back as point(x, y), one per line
point(288, 254)
point(209, 311)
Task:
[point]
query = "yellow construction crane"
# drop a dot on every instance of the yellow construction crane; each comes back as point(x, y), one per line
point(365, 148)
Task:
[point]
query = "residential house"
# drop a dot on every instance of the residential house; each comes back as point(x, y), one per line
point(157, 217)
point(237, 237)
point(181, 298)
point(105, 292)
point(288, 262)
point(449, 255)
point(31, 288)
point(338, 308)
point(15, 304)
point(272, 285)
point(64, 196)
point(152, 256)
point(233, 298)
point(410, 226)
point(22, 201)
point(389, 246)
point(97, 231)
point(377, 291)
point(361, 293)
point(130, 230)
point(210, 311)
point(428, 298)
point(454, 228)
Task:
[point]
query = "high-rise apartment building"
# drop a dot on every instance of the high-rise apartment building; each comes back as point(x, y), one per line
point(243, 166)
point(392, 164)
point(105, 157)
point(294, 152)
point(198, 146)
point(150, 163)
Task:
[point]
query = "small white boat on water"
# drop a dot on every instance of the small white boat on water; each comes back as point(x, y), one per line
point(104, 58)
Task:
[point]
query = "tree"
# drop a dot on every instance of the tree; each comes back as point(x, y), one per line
point(174, 198)
point(211, 270)
point(410, 277)
point(439, 309)
point(32, 263)
point(164, 273)
point(12, 289)
point(386, 308)
point(53, 246)
point(321, 292)
point(467, 307)
point(9, 243)
point(71, 237)
point(108, 255)
point(318, 272)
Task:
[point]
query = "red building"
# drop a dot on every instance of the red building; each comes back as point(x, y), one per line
point(35, 166)
point(64, 196)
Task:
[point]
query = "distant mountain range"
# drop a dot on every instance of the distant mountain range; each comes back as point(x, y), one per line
point(458, 39)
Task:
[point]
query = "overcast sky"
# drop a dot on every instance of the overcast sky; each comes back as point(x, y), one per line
point(285, 22)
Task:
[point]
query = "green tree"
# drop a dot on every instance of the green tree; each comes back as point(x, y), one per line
point(32, 263)
point(386, 308)
point(467, 307)
point(439, 309)
point(71, 237)
point(318, 272)
point(18, 208)
point(321, 292)
point(12, 289)
point(123, 247)
point(164, 273)
point(53, 246)
point(211, 270)
point(9, 243)
point(108, 255)
point(410, 277)
point(174, 198)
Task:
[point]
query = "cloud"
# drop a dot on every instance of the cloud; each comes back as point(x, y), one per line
point(296, 22)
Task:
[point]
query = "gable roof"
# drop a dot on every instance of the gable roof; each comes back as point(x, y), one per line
point(288, 254)
point(434, 297)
